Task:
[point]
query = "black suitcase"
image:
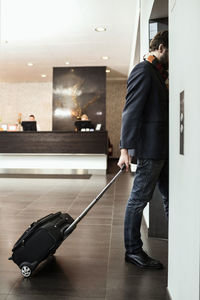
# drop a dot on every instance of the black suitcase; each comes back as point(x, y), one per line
point(44, 236)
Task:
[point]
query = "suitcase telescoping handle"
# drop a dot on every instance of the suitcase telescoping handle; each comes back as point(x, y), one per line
point(77, 220)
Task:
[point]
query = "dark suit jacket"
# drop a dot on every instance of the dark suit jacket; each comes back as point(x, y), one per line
point(145, 117)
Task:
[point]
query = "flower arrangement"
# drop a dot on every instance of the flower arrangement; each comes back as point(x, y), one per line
point(19, 119)
point(77, 109)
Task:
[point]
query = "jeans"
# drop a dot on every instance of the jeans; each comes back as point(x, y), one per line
point(149, 172)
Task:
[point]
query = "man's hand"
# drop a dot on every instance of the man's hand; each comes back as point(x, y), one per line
point(124, 159)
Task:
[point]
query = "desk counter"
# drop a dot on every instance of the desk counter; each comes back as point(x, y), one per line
point(55, 152)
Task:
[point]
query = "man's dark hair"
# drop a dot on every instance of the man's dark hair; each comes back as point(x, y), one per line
point(160, 38)
point(32, 116)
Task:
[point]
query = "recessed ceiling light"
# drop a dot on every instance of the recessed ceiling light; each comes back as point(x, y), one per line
point(30, 64)
point(67, 63)
point(105, 57)
point(100, 29)
point(107, 71)
point(43, 75)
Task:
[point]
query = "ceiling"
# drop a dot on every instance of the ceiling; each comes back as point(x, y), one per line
point(49, 33)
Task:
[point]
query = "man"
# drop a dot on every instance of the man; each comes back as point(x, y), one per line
point(84, 117)
point(32, 118)
point(145, 129)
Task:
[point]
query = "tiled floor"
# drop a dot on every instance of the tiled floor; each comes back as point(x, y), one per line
point(90, 263)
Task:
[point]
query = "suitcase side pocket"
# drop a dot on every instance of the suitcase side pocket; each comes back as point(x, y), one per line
point(32, 228)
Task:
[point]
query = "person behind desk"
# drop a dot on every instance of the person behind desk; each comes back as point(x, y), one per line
point(84, 124)
point(84, 117)
point(32, 118)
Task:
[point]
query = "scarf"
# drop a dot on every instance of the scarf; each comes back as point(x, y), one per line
point(154, 61)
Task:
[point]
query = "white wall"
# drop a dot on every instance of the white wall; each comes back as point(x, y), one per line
point(134, 58)
point(26, 98)
point(146, 7)
point(184, 249)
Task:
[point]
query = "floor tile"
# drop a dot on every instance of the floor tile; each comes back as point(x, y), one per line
point(137, 287)
point(7, 281)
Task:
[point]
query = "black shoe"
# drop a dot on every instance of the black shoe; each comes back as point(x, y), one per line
point(142, 260)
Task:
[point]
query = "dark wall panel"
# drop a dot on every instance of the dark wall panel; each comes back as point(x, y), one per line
point(76, 91)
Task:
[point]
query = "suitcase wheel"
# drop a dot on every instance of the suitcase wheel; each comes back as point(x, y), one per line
point(26, 271)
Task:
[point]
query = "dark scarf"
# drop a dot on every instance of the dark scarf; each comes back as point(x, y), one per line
point(154, 61)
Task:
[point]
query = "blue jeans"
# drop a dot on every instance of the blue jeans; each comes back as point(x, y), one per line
point(149, 172)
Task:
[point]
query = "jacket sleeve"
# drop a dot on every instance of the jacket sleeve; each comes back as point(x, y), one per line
point(138, 89)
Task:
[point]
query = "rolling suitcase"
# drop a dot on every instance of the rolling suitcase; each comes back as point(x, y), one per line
point(43, 237)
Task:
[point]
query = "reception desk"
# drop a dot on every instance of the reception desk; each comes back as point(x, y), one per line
point(55, 152)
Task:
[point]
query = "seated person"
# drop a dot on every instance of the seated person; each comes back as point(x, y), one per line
point(84, 117)
point(30, 125)
point(32, 118)
point(84, 124)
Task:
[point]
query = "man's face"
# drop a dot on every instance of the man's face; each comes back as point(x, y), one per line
point(164, 58)
point(31, 118)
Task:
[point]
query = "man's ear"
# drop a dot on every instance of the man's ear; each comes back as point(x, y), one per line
point(161, 48)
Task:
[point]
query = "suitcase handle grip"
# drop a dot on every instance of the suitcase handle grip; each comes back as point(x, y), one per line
point(123, 167)
point(70, 228)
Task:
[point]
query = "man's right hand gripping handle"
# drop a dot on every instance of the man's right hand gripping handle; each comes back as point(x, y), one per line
point(124, 159)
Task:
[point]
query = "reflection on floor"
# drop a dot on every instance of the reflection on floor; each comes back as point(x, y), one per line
point(90, 263)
